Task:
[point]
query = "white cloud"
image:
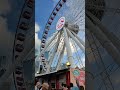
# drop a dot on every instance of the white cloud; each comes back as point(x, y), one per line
point(37, 28)
point(5, 34)
point(4, 6)
point(37, 40)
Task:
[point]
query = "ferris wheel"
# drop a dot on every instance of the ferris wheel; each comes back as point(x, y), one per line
point(15, 68)
point(63, 39)
point(102, 40)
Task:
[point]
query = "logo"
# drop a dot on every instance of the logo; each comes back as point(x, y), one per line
point(60, 23)
point(76, 72)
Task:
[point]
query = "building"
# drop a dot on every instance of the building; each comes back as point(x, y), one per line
point(65, 76)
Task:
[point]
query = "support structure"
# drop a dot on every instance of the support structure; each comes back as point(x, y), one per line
point(81, 41)
point(67, 32)
point(68, 49)
point(76, 40)
point(60, 58)
point(53, 54)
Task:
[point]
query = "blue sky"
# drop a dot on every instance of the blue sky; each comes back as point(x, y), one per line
point(43, 9)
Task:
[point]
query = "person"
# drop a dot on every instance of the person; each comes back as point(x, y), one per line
point(45, 86)
point(73, 87)
point(64, 87)
point(37, 86)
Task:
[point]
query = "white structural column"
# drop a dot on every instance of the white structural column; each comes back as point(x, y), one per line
point(106, 43)
point(68, 49)
point(53, 54)
point(76, 40)
point(109, 34)
point(60, 58)
point(81, 41)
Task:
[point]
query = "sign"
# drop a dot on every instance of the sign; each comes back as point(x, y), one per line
point(81, 78)
point(77, 75)
point(60, 23)
point(76, 72)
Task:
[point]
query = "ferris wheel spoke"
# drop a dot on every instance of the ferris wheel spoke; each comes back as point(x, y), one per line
point(59, 50)
point(76, 52)
point(79, 14)
point(60, 58)
point(81, 41)
point(53, 54)
point(47, 45)
point(52, 42)
point(111, 36)
point(79, 20)
point(52, 39)
point(77, 55)
point(103, 40)
point(76, 40)
point(79, 10)
point(68, 49)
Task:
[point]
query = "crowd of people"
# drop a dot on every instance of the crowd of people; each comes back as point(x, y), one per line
point(46, 86)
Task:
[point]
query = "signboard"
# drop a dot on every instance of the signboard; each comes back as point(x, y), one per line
point(78, 75)
point(81, 78)
point(60, 23)
point(76, 72)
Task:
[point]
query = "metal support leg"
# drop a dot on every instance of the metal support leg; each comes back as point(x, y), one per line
point(69, 53)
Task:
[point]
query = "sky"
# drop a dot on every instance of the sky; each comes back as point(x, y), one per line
point(43, 9)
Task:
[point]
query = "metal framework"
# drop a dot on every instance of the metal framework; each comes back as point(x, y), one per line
point(98, 38)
